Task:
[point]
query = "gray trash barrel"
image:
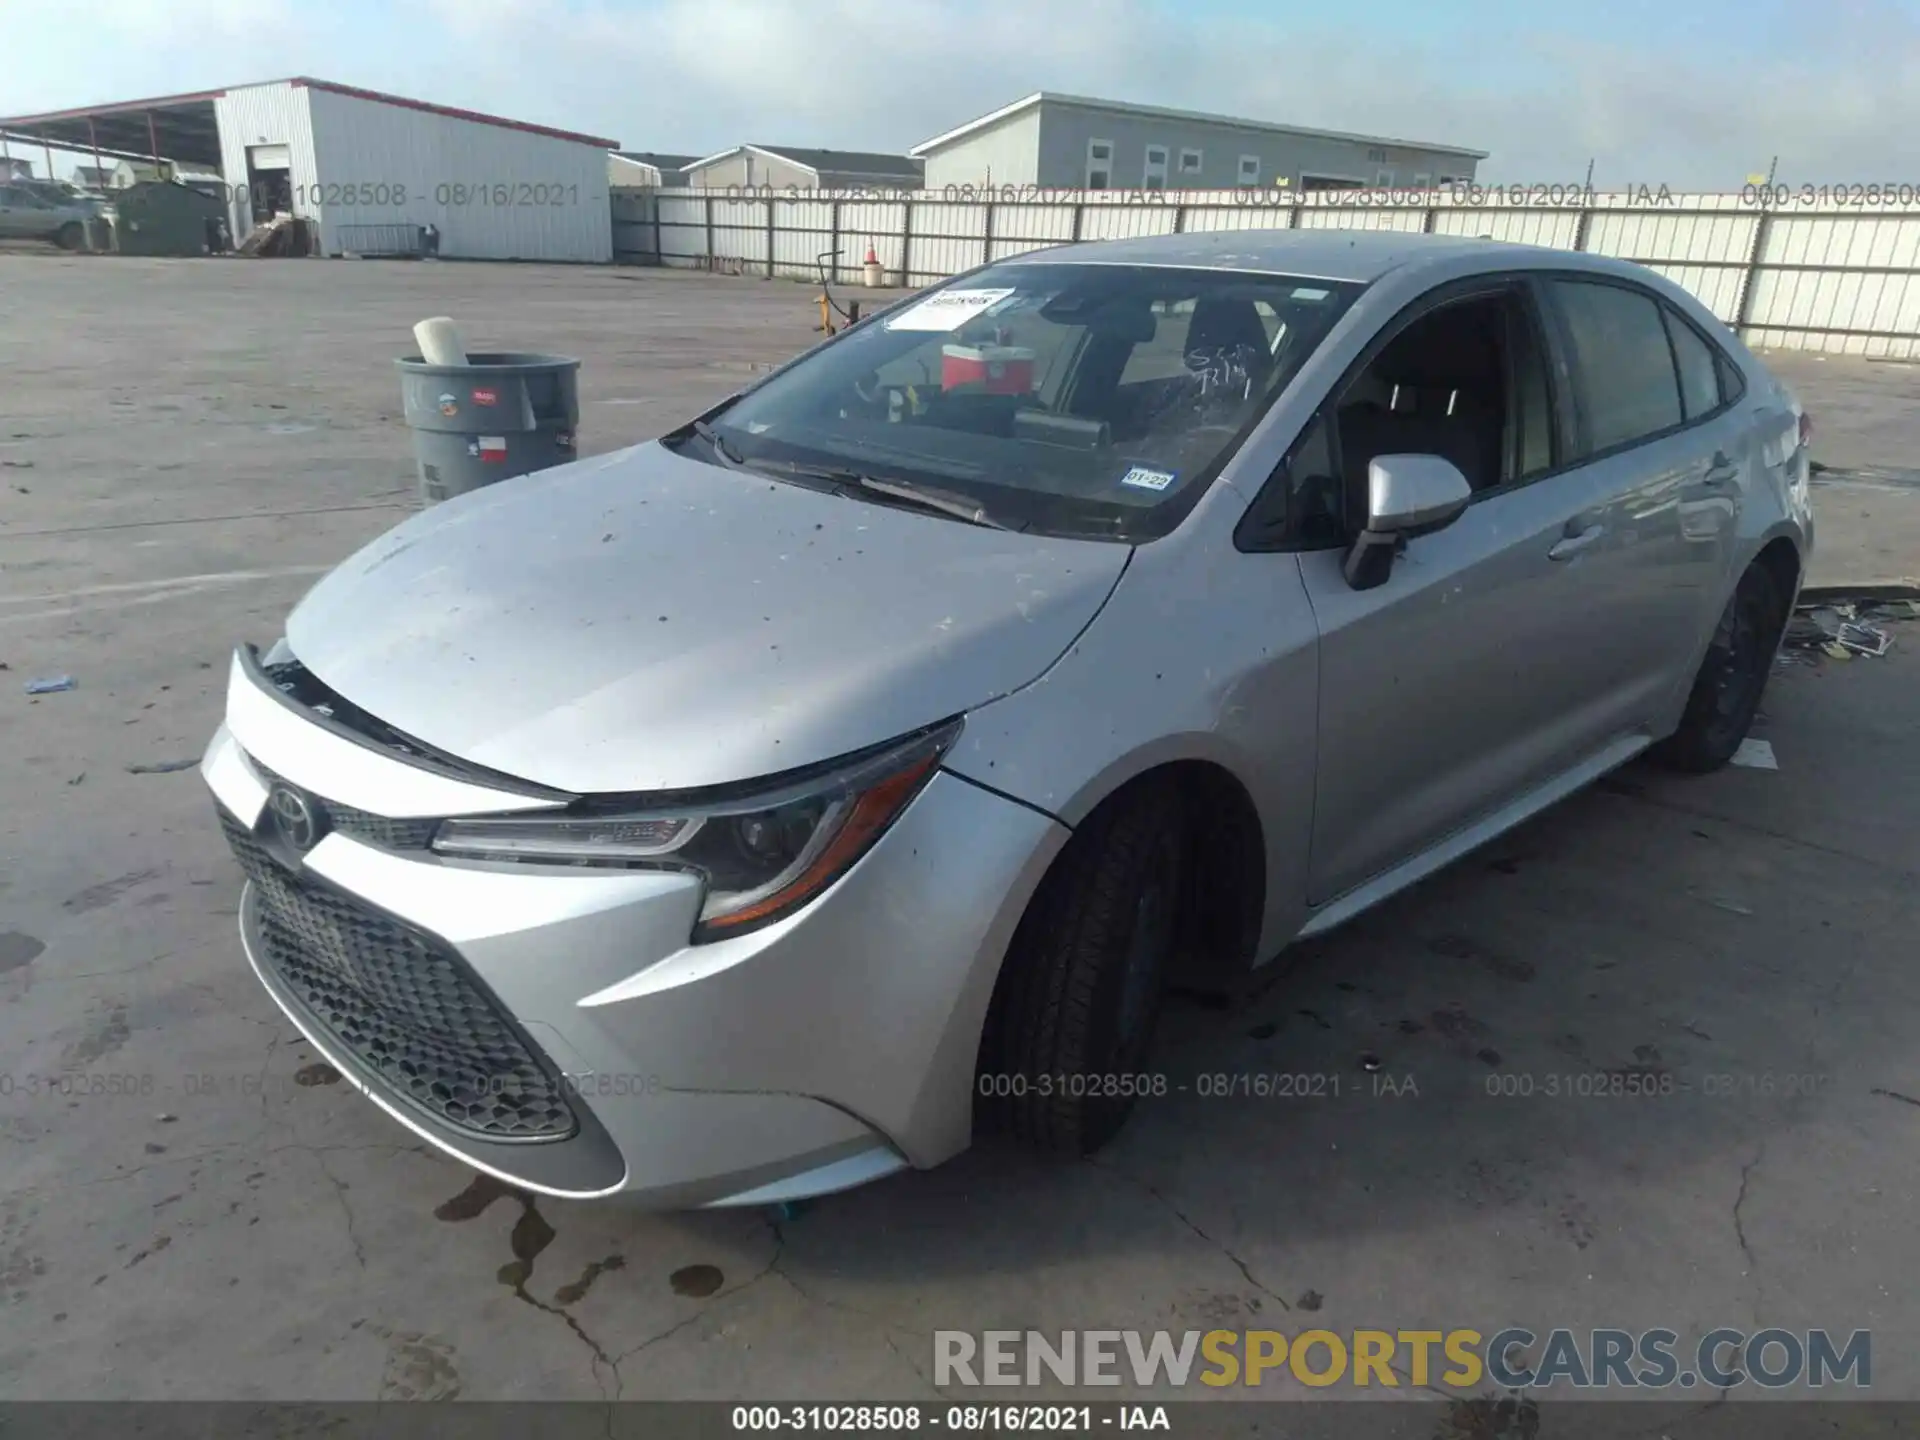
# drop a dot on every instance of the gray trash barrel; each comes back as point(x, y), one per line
point(496, 416)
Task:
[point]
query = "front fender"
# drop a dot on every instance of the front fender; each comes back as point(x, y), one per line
point(1193, 658)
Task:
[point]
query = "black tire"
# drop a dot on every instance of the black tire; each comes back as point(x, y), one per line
point(1733, 676)
point(1074, 1014)
point(70, 236)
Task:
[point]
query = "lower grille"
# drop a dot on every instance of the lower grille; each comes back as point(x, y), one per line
point(401, 1003)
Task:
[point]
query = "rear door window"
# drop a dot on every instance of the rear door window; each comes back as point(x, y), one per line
point(1623, 365)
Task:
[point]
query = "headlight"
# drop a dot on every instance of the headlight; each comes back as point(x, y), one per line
point(762, 854)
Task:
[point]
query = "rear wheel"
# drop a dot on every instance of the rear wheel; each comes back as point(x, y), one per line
point(1075, 1011)
point(1726, 691)
point(69, 236)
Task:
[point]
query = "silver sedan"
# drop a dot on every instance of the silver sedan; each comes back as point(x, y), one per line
point(770, 807)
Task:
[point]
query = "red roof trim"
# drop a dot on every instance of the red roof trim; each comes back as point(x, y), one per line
point(449, 111)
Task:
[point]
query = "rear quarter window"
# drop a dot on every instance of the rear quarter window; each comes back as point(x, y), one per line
point(1699, 367)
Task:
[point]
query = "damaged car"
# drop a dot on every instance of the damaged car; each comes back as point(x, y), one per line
point(764, 809)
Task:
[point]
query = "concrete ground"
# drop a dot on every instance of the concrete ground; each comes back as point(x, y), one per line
point(191, 1207)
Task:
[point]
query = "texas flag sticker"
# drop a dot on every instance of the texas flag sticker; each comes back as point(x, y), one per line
point(485, 397)
point(493, 447)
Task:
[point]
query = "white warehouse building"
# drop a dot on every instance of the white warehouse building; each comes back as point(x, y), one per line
point(1055, 141)
point(371, 173)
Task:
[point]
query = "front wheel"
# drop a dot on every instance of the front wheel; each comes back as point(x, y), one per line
point(1077, 1002)
point(1726, 691)
point(70, 236)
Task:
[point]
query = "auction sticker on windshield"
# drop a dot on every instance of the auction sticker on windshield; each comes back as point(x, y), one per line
point(948, 310)
point(1142, 478)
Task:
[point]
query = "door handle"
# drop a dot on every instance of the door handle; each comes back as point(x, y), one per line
point(1571, 545)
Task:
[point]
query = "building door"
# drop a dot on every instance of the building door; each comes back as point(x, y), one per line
point(269, 181)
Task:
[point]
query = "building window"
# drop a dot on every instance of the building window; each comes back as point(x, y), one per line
point(1099, 164)
point(1249, 169)
point(1189, 162)
point(1154, 174)
point(1377, 156)
point(1383, 179)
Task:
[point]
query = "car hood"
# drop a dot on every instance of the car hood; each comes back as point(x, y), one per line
point(641, 621)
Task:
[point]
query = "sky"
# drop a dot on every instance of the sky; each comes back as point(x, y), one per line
point(1692, 94)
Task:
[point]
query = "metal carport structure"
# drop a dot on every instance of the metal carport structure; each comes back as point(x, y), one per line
point(181, 128)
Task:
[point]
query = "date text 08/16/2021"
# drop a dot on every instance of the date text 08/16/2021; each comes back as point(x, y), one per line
point(397, 194)
point(910, 1418)
point(1208, 1085)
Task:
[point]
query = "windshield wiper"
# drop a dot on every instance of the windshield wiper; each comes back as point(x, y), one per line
point(944, 502)
point(839, 481)
point(721, 445)
point(920, 497)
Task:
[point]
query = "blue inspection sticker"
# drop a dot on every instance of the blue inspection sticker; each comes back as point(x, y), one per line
point(1141, 478)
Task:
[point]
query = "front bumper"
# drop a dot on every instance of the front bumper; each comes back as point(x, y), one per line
point(830, 1048)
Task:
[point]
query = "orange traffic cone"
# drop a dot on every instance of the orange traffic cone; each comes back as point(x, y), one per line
point(875, 276)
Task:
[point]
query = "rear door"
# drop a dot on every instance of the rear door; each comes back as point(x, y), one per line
point(1658, 440)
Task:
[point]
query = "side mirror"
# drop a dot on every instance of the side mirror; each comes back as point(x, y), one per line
point(1407, 495)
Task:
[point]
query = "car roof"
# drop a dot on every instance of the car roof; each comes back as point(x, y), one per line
point(1354, 255)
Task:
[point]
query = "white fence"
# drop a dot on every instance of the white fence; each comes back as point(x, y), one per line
point(1835, 269)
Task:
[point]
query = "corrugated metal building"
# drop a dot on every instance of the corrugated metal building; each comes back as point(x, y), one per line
point(791, 167)
point(369, 172)
point(627, 169)
point(1055, 141)
point(355, 160)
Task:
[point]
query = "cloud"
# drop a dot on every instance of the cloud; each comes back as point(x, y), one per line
point(1692, 106)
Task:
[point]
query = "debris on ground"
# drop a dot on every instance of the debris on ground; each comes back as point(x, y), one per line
point(1842, 628)
point(52, 685)
point(163, 767)
point(282, 235)
point(1755, 755)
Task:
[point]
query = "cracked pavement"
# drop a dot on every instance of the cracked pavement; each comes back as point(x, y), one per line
point(190, 1206)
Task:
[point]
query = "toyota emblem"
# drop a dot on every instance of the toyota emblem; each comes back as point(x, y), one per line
point(293, 815)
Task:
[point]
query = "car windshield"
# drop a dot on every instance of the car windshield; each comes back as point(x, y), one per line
point(1056, 398)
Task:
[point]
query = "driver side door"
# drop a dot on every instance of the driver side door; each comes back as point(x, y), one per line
point(1473, 674)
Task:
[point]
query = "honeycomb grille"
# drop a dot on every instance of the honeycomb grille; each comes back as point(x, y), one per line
point(378, 829)
point(402, 1004)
